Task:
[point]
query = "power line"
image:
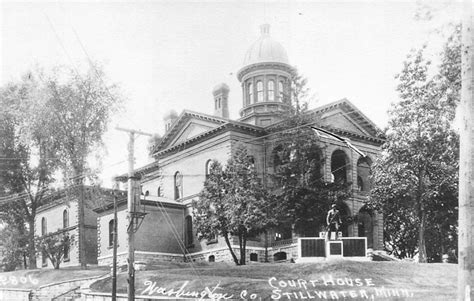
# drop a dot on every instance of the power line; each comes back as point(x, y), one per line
point(21, 195)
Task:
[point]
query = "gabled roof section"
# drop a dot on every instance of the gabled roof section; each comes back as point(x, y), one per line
point(184, 118)
point(343, 118)
point(191, 127)
point(344, 115)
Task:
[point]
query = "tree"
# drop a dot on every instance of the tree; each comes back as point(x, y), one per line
point(303, 197)
point(210, 216)
point(55, 246)
point(63, 115)
point(14, 243)
point(82, 105)
point(299, 91)
point(415, 178)
point(25, 139)
point(232, 203)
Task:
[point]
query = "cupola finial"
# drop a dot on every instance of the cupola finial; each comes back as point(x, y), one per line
point(265, 29)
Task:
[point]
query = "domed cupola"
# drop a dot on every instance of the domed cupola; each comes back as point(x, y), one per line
point(265, 80)
point(265, 49)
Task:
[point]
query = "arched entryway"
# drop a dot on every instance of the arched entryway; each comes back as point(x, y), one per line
point(363, 174)
point(365, 225)
point(279, 256)
point(340, 166)
point(345, 217)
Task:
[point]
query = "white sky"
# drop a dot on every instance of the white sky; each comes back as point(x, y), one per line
point(170, 54)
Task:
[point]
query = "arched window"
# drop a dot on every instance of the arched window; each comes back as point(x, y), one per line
point(360, 183)
point(250, 94)
point(189, 230)
point(280, 91)
point(111, 232)
point(271, 91)
point(65, 218)
point(178, 185)
point(158, 192)
point(208, 168)
point(44, 228)
point(259, 91)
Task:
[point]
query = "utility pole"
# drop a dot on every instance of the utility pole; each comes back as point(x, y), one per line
point(131, 210)
point(466, 160)
point(114, 258)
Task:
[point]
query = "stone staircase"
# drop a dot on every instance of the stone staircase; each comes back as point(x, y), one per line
point(64, 290)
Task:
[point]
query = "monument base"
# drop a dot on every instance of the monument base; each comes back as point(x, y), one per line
point(313, 249)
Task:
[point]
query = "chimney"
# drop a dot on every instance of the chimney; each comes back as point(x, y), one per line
point(169, 118)
point(221, 100)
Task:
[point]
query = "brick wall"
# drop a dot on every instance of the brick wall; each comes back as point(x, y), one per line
point(54, 222)
point(159, 232)
point(191, 163)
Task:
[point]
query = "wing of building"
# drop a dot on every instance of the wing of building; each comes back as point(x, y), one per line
point(192, 140)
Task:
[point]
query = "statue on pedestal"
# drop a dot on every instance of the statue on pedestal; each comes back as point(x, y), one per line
point(333, 221)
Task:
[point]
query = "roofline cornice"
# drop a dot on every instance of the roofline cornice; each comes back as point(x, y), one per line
point(184, 116)
point(263, 65)
point(239, 126)
point(123, 201)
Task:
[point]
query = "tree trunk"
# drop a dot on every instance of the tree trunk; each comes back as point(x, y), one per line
point(226, 238)
point(31, 245)
point(56, 264)
point(81, 227)
point(442, 241)
point(243, 244)
point(422, 257)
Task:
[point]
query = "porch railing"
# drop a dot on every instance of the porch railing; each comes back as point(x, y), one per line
point(284, 242)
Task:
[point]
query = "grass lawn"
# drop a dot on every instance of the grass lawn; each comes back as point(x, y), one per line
point(30, 279)
point(331, 280)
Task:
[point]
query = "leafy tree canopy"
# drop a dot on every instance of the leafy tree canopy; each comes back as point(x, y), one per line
point(55, 246)
point(50, 121)
point(415, 178)
point(303, 196)
point(232, 203)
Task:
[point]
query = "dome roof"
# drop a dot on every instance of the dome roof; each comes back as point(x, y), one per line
point(171, 114)
point(265, 49)
point(220, 87)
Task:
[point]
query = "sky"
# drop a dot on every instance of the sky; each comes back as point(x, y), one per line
point(168, 55)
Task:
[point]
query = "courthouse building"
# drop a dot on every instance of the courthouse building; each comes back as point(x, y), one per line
point(192, 140)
